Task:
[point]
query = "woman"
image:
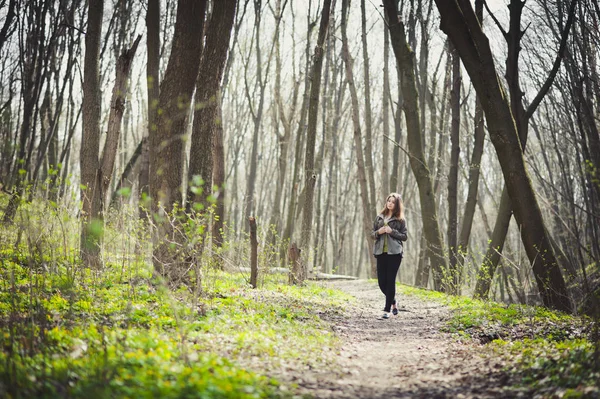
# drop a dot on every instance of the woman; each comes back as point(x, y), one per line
point(389, 230)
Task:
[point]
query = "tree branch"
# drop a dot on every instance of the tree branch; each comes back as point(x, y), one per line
point(4, 32)
point(561, 50)
point(495, 19)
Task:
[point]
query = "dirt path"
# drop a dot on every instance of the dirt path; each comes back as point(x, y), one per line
point(406, 356)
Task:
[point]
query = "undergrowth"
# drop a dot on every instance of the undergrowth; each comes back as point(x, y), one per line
point(101, 338)
point(553, 354)
point(68, 331)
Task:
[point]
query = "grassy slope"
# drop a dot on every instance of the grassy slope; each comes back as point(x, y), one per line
point(551, 353)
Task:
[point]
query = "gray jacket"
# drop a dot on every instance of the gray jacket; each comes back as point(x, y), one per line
point(395, 238)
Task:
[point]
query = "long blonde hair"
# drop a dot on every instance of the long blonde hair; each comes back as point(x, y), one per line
point(398, 211)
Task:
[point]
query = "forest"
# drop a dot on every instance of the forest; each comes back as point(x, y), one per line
point(178, 173)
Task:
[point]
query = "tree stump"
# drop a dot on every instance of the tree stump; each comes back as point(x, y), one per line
point(296, 274)
point(253, 253)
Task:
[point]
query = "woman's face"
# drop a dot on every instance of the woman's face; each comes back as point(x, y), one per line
point(390, 203)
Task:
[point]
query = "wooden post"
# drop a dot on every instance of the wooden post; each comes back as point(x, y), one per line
point(296, 274)
point(253, 252)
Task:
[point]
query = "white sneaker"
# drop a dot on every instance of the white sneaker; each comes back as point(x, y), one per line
point(385, 315)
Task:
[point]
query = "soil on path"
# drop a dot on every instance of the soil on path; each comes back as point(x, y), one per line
point(406, 356)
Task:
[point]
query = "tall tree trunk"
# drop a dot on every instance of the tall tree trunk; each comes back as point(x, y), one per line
point(153, 84)
point(219, 181)
point(394, 173)
point(117, 107)
point(521, 118)
point(332, 187)
point(435, 155)
point(367, 206)
point(91, 228)
point(504, 215)
point(54, 109)
point(581, 62)
point(166, 142)
point(474, 170)
point(282, 139)
point(125, 179)
point(405, 60)
point(454, 275)
point(33, 56)
point(385, 114)
point(319, 239)
point(460, 23)
point(310, 177)
point(370, 171)
point(71, 127)
point(208, 100)
point(294, 198)
point(257, 115)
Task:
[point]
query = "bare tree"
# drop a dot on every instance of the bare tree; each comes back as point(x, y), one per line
point(117, 108)
point(522, 116)
point(153, 84)
point(461, 25)
point(405, 60)
point(310, 177)
point(35, 49)
point(454, 272)
point(283, 140)
point(367, 206)
point(8, 27)
point(166, 142)
point(52, 107)
point(257, 111)
point(370, 171)
point(96, 174)
point(583, 75)
point(385, 115)
point(474, 171)
point(295, 201)
point(208, 99)
point(219, 174)
point(90, 144)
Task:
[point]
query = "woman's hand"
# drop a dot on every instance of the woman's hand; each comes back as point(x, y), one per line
point(384, 230)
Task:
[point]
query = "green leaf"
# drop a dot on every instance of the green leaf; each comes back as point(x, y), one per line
point(124, 192)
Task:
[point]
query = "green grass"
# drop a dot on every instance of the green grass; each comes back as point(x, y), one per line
point(551, 353)
point(101, 336)
point(67, 331)
point(566, 368)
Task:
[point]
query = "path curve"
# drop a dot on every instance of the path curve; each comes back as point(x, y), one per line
point(406, 356)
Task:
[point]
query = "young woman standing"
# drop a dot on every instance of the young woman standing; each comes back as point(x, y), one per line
point(389, 231)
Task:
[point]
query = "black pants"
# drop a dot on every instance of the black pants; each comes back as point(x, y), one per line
point(387, 268)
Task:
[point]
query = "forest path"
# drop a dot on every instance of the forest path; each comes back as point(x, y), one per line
point(406, 356)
